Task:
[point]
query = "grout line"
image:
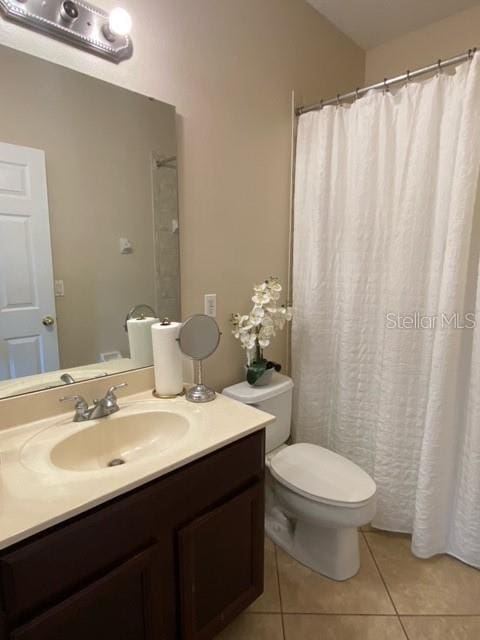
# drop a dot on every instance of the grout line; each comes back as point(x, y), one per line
point(440, 615)
point(369, 615)
point(277, 570)
point(385, 585)
point(341, 615)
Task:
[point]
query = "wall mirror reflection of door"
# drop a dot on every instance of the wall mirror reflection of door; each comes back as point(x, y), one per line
point(29, 343)
point(88, 222)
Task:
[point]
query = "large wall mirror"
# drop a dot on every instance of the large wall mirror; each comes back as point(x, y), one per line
point(88, 223)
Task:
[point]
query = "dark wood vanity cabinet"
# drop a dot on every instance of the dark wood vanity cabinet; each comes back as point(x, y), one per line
point(179, 557)
point(221, 563)
point(118, 605)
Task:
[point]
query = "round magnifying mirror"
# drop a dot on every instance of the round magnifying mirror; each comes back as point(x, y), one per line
point(198, 338)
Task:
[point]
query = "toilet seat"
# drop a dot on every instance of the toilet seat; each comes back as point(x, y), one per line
point(322, 475)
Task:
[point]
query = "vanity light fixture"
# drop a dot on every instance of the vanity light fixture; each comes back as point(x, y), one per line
point(78, 23)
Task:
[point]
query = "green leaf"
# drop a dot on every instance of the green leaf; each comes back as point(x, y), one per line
point(256, 370)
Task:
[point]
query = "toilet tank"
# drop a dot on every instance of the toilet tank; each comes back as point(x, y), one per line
point(274, 398)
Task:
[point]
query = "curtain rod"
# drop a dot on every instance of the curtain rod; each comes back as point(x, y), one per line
point(409, 75)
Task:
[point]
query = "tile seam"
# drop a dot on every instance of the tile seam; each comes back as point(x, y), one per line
point(277, 571)
point(362, 533)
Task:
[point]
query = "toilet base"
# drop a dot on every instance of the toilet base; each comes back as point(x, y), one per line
point(332, 552)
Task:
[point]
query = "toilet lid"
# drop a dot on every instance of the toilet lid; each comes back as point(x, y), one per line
point(322, 475)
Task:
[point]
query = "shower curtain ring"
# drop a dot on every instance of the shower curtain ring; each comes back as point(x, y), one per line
point(357, 94)
point(471, 53)
point(385, 85)
point(439, 66)
point(338, 99)
point(408, 76)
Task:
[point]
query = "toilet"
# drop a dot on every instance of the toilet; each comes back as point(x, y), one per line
point(315, 498)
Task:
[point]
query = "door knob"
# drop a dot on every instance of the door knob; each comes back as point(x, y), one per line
point(48, 321)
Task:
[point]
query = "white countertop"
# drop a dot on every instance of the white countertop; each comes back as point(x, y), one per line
point(36, 496)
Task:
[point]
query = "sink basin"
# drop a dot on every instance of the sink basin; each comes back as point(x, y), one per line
point(118, 440)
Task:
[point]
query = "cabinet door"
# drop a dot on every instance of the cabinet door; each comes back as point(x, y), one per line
point(221, 564)
point(115, 607)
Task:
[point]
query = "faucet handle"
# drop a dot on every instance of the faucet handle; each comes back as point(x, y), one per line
point(111, 391)
point(81, 407)
point(79, 401)
point(108, 404)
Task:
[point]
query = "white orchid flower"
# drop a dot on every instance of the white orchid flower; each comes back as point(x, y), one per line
point(257, 314)
point(261, 298)
point(256, 330)
point(275, 295)
point(248, 341)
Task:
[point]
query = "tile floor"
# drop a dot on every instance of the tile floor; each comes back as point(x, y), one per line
point(394, 596)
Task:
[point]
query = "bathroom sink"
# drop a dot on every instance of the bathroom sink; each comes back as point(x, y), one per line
point(118, 440)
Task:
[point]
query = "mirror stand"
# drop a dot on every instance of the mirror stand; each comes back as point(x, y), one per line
point(198, 338)
point(199, 392)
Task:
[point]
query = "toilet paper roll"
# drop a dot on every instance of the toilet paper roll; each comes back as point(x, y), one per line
point(140, 340)
point(167, 359)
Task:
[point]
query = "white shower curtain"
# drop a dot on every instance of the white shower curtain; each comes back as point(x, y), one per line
point(386, 273)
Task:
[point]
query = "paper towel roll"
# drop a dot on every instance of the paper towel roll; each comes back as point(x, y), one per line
point(140, 340)
point(167, 359)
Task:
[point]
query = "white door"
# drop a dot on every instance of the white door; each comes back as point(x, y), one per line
point(28, 339)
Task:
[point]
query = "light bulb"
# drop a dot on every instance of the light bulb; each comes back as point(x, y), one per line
point(119, 22)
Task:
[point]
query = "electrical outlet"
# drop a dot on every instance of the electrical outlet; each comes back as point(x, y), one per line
point(211, 305)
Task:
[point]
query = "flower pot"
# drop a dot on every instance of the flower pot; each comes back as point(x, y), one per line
point(264, 379)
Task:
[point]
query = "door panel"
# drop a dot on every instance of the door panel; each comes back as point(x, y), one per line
point(221, 564)
point(13, 179)
point(25, 354)
point(121, 605)
point(26, 275)
point(15, 245)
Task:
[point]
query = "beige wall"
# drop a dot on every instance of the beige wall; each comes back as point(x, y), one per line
point(98, 142)
point(443, 39)
point(229, 66)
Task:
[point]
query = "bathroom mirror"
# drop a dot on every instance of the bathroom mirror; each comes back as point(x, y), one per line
point(199, 337)
point(88, 222)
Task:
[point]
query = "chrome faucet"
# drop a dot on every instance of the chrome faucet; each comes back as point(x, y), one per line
point(107, 405)
point(100, 409)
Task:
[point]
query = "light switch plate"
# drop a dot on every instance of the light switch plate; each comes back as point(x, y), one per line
point(125, 246)
point(210, 305)
point(59, 288)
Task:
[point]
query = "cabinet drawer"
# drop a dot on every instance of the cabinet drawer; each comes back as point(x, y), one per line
point(221, 564)
point(43, 571)
point(120, 605)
